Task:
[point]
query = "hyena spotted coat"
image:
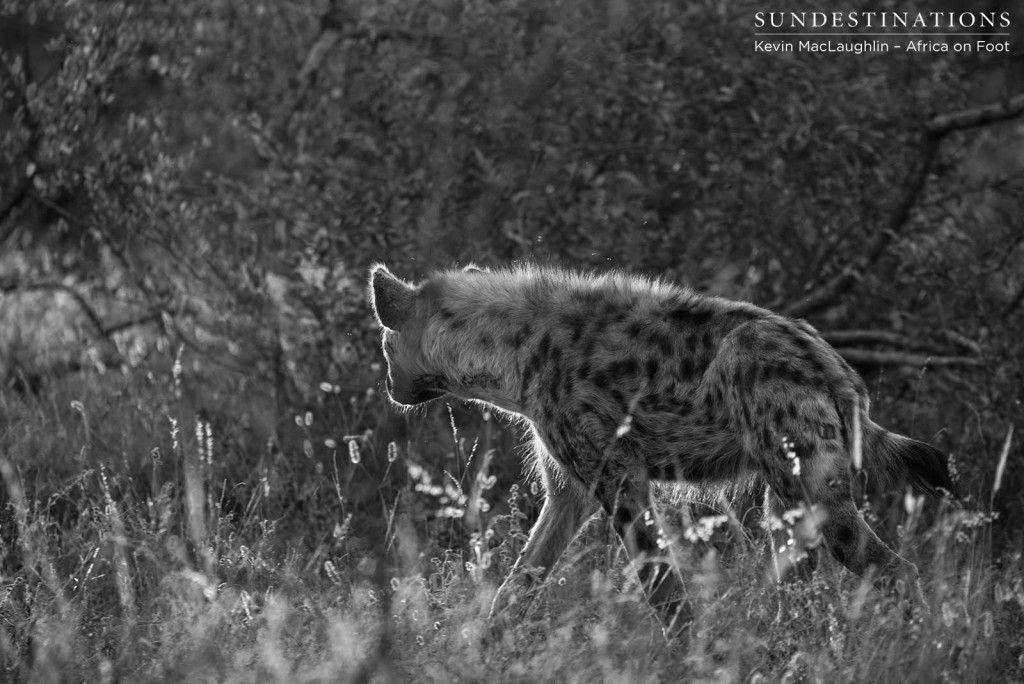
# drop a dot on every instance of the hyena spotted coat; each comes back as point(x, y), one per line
point(624, 381)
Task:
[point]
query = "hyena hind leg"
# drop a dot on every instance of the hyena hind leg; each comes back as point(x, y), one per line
point(660, 580)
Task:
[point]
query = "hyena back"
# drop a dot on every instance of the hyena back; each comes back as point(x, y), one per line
point(624, 381)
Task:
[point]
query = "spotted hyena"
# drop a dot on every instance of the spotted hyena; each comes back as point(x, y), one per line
point(624, 381)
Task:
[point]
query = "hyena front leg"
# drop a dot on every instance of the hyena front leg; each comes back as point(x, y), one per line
point(567, 506)
point(794, 538)
point(625, 501)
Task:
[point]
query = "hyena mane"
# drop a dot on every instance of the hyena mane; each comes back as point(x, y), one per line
point(623, 381)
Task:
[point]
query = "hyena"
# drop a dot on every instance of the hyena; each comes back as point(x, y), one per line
point(623, 382)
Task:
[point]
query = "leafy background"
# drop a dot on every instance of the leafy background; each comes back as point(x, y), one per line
point(191, 425)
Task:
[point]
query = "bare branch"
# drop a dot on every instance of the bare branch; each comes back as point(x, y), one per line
point(840, 338)
point(962, 341)
point(14, 198)
point(79, 298)
point(977, 116)
point(20, 191)
point(932, 135)
point(336, 24)
point(870, 357)
point(32, 381)
point(103, 330)
point(143, 319)
point(830, 292)
point(333, 23)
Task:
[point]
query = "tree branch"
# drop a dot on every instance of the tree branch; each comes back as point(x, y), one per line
point(332, 25)
point(337, 23)
point(142, 319)
point(874, 358)
point(978, 116)
point(20, 191)
point(962, 341)
point(17, 195)
point(830, 292)
point(32, 381)
point(79, 298)
point(839, 338)
point(932, 135)
point(103, 330)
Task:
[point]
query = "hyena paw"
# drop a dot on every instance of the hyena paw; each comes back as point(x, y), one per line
point(904, 582)
point(667, 596)
point(514, 595)
point(676, 618)
point(512, 601)
point(908, 585)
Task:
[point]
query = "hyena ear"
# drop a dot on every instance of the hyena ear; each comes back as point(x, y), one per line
point(923, 465)
point(473, 268)
point(392, 299)
point(927, 468)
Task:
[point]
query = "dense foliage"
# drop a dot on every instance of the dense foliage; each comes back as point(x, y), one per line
point(191, 195)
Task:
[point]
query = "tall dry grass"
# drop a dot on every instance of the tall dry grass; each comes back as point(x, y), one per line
point(144, 539)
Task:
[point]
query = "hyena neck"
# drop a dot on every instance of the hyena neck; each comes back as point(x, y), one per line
point(486, 388)
point(504, 337)
point(486, 324)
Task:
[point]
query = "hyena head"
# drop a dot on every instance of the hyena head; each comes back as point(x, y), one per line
point(403, 311)
point(427, 343)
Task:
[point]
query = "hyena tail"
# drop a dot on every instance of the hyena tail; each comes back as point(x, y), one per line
point(894, 458)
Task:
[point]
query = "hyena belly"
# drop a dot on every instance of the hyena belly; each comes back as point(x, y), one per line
point(624, 381)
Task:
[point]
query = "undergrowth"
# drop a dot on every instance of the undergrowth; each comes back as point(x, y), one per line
point(149, 535)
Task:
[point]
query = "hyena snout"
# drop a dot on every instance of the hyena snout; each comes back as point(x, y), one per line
point(855, 545)
point(409, 390)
